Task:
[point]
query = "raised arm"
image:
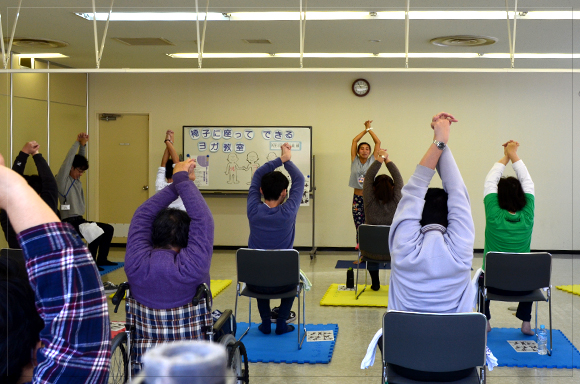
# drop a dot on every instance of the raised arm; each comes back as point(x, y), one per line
point(68, 290)
point(519, 167)
point(357, 138)
point(20, 162)
point(169, 140)
point(375, 139)
point(368, 193)
point(194, 261)
point(460, 228)
point(293, 202)
point(397, 178)
point(495, 173)
point(64, 170)
point(49, 188)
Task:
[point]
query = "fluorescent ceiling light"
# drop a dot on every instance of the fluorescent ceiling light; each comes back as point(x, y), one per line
point(380, 55)
point(42, 55)
point(219, 55)
point(152, 16)
point(532, 55)
point(329, 15)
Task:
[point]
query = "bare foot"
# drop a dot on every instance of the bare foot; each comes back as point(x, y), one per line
point(527, 328)
point(488, 326)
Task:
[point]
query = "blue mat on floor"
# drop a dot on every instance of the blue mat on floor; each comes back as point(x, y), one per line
point(274, 348)
point(111, 268)
point(345, 264)
point(564, 354)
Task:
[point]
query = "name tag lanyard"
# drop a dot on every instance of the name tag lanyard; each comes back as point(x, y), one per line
point(67, 192)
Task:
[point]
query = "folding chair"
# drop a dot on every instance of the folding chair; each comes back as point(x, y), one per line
point(372, 239)
point(269, 268)
point(517, 272)
point(432, 347)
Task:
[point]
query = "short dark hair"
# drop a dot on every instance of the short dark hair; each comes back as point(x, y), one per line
point(35, 182)
point(363, 143)
point(272, 184)
point(510, 194)
point(20, 323)
point(383, 188)
point(435, 208)
point(170, 229)
point(169, 169)
point(80, 162)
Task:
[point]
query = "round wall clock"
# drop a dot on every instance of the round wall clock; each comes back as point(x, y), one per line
point(361, 87)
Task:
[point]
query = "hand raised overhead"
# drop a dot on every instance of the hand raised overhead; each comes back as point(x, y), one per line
point(440, 124)
point(286, 152)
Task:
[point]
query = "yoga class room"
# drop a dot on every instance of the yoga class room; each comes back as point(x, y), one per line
point(213, 229)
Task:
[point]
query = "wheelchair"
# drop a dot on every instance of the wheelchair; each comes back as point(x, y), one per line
point(221, 331)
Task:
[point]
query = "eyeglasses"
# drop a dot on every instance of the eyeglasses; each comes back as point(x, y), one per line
point(81, 171)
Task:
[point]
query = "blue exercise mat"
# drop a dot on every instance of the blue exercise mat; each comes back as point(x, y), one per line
point(111, 268)
point(274, 348)
point(564, 354)
point(345, 264)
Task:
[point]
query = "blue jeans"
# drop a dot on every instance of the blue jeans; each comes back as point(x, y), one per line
point(264, 304)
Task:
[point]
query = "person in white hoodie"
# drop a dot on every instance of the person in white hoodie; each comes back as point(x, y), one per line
point(432, 235)
point(431, 242)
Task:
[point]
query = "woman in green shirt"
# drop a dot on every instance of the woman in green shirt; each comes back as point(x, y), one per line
point(509, 218)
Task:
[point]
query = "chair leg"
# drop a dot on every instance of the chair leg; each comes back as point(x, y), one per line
point(356, 282)
point(249, 319)
point(536, 322)
point(550, 316)
point(301, 339)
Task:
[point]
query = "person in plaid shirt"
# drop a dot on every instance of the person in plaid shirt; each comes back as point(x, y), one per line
point(74, 343)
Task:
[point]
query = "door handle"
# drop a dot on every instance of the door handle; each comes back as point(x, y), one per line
point(145, 187)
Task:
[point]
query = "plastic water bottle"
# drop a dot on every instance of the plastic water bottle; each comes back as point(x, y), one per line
point(542, 341)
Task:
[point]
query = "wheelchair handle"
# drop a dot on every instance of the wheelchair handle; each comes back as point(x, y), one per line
point(119, 295)
point(202, 292)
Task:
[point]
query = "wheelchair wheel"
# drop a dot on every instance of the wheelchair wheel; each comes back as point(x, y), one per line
point(119, 372)
point(237, 358)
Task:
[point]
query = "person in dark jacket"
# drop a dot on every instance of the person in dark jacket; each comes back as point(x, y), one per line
point(44, 184)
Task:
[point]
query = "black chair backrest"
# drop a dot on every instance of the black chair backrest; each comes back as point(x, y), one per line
point(374, 239)
point(433, 342)
point(13, 263)
point(268, 268)
point(518, 271)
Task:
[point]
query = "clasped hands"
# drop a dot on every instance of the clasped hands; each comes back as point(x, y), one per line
point(440, 124)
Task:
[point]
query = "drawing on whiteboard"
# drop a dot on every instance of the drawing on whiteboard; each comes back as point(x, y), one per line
point(232, 169)
point(253, 164)
point(202, 171)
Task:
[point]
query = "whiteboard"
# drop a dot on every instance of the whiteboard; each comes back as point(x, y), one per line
point(228, 156)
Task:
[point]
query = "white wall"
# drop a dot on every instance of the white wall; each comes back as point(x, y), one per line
point(535, 109)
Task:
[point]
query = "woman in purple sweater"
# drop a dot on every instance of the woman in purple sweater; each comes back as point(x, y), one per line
point(169, 251)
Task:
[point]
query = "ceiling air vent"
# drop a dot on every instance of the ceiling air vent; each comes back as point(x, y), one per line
point(463, 41)
point(143, 40)
point(36, 43)
point(257, 41)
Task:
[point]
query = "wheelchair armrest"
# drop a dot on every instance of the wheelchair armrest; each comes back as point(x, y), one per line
point(222, 320)
point(202, 292)
point(120, 294)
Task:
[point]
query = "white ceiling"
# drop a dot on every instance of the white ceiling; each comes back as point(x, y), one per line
point(55, 19)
